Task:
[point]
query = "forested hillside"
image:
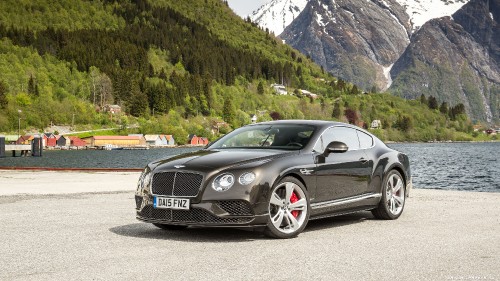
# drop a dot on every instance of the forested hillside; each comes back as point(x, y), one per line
point(175, 67)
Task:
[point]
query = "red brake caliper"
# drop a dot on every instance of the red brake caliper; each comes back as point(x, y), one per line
point(294, 198)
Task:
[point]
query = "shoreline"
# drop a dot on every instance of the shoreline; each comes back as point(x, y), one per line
point(88, 180)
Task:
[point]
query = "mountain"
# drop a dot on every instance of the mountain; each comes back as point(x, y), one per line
point(445, 49)
point(278, 14)
point(355, 40)
point(456, 59)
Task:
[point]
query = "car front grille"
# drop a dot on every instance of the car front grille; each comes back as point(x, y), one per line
point(235, 207)
point(195, 215)
point(177, 184)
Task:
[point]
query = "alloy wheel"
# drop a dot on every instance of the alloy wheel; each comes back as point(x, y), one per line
point(288, 208)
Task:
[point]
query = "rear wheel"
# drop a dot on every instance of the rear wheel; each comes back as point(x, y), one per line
point(170, 226)
point(393, 197)
point(288, 209)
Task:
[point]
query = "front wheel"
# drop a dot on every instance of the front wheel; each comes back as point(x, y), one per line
point(393, 197)
point(288, 209)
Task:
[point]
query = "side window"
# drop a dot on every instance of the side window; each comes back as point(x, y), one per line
point(342, 134)
point(365, 141)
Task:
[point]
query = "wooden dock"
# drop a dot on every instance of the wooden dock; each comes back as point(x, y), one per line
point(23, 148)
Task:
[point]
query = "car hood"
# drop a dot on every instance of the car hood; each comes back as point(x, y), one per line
point(204, 160)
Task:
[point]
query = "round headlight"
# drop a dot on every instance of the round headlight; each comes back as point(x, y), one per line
point(246, 178)
point(223, 182)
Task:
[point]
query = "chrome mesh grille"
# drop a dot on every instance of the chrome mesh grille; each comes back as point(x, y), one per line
point(177, 184)
point(235, 207)
point(195, 215)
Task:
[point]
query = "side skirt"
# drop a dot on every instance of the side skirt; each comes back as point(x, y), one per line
point(345, 205)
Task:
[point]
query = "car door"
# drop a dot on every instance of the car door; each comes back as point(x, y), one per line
point(341, 175)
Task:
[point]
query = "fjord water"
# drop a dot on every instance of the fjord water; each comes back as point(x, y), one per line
point(456, 166)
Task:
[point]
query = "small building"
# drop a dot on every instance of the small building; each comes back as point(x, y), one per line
point(153, 140)
point(193, 139)
point(49, 139)
point(25, 139)
point(202, 141)
point(170, 139)
point(98, 141)
point(11, 139)
point(163, 139)
point(78, 142)
point(376, 124)
point(253, 118)
point(279, 89)
point(63, 141)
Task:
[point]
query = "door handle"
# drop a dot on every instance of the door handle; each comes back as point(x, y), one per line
point(363, 160)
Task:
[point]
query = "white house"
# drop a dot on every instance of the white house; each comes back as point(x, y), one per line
point(153, 140)
point(376, 124)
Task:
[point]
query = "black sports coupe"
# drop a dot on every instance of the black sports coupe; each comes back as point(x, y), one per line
point(276, 176)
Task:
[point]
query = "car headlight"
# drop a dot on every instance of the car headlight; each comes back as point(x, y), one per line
point(223, 182)
point(246, 178)
point(144, 179)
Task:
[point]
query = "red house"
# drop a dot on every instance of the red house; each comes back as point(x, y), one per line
point(203, 141)
point(78, 142)
point(193, 140)
point(49, 139)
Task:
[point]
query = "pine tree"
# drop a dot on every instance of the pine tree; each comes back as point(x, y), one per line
point(228, 111)
point(433, 104)
point(337, 111)
point(3, 95)
point(260, 88)
point(443, 108)
point(423, 99)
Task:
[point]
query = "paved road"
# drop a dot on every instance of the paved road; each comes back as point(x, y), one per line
point(442, 235)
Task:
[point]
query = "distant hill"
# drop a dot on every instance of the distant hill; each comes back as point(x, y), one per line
point(177, 67)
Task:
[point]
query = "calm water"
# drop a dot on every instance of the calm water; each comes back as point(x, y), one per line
point(459, 166)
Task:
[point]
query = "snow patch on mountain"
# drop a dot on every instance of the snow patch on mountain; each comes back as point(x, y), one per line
point(422, 11)
point(278, 14)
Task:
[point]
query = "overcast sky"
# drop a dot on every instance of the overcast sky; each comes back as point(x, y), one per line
point(245, 7)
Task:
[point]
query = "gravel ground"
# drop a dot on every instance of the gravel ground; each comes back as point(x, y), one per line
point(81, 226)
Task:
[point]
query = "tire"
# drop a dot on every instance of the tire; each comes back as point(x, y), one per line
point(393, 197)
point(170, 226)
point(288, 209)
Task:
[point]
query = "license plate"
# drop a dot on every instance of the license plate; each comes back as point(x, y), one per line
point(171, 203)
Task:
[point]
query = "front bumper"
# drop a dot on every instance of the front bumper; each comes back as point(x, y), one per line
point(228, 213)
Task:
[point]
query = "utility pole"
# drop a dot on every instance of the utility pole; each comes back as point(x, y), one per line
point(73, 122)
point(19, 123)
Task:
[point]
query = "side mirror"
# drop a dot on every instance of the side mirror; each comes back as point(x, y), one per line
point(336, 147)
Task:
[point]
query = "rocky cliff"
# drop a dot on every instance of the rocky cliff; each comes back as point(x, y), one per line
point(355, 40)
point(455, 59)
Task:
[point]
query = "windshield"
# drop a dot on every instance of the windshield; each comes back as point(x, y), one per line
point(283, 136)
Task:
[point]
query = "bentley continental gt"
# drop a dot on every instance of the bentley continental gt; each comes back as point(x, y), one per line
point(276, 176)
